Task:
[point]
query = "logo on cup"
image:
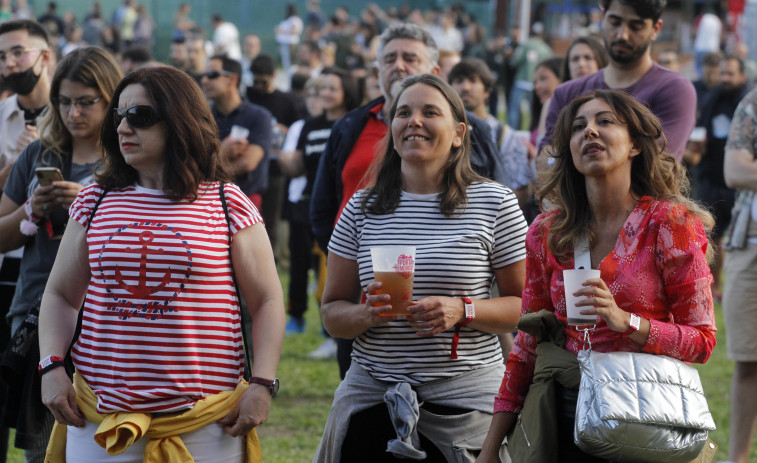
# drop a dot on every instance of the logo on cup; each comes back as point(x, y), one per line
point(405, 266)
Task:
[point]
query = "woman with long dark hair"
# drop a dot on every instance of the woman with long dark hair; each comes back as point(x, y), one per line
point(613, 186)
point(585, 55)
point(443, 359)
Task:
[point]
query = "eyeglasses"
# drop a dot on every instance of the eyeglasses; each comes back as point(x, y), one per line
point(17, 53)
point(213, 75)
point(64, 103)
point(138, 117)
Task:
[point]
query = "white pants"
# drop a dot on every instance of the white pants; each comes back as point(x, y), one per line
point(207, 444)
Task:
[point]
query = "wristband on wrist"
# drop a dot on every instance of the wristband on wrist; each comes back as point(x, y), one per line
point(635, 324)
point(49, 363)
point(30, 211)
point(29, 226)
point(470, 313)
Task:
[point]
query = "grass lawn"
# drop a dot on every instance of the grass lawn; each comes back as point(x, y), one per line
point(299, 412)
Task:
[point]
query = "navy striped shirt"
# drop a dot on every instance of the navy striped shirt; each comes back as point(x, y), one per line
point(455, 256)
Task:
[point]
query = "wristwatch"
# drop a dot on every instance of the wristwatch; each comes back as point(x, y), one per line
point(635, 324)
point(271, 384)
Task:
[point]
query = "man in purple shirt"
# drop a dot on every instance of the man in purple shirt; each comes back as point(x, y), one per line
point(628, 29)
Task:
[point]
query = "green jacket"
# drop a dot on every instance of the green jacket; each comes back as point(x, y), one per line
point(532, 439)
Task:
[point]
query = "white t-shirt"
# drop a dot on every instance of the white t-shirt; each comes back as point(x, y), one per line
point(161, 324)
point(708, 33)
point(226, 40)
point(289, 31)
point(455, 256)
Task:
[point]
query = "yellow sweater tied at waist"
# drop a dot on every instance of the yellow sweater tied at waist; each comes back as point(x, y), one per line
point(117, 431)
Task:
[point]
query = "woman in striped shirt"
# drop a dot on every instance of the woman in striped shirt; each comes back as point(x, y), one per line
point(148, 250)
point(422, 386)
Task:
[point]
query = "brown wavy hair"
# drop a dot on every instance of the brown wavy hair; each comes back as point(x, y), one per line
point(457, 174)
point(192, 142)
point(654, 172)
point(92, 67)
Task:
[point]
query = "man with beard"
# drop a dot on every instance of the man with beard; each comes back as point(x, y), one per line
point(717, 111)
point(628, 30)
point(404, 50)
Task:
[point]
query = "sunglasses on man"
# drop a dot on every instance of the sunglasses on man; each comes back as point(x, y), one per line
point(213, 75)
point(138, 117)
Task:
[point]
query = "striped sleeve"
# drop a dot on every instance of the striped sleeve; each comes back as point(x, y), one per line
point(242, 212)
point(344, 241)
point(510, 230)
point(85, 201)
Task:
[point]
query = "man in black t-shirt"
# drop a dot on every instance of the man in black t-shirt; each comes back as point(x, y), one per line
point(286, 108)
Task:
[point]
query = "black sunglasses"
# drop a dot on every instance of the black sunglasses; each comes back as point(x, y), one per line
point(138, 117)
point(212, 75)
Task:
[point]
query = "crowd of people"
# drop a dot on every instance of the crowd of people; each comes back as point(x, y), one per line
point(149, 200)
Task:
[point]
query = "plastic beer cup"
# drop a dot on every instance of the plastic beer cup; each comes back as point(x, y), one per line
point(394, 266)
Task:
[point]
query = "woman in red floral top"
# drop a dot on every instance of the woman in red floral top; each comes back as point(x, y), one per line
point(612, 183)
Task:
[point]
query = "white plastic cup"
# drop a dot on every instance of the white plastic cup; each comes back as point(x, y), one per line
point(394, 267)
point(573, 282)
point(698, 134)
point(239, 133)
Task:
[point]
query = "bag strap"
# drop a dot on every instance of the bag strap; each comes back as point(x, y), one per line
point(80, 317)
point(581, 253)
point(582, 260)
point(245, 342)
point(94, 209)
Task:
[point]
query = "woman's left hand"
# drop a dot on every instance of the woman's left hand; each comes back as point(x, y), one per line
point(250, 412)
point(435, 314)
point(65, 192)
point(599, 301)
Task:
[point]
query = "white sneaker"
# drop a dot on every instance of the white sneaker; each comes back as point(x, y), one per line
point(327, 350)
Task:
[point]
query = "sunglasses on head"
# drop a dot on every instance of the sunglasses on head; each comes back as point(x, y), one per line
point(212, 75)
point(137, 117)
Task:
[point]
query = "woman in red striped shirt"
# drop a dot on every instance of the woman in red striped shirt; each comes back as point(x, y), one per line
point(149, 250)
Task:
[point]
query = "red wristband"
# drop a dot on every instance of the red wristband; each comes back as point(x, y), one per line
point(470, 314)
point(49, 363)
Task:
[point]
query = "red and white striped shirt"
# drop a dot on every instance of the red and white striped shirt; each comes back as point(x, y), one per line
point(161, 324)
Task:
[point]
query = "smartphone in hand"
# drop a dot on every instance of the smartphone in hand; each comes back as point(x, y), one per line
point(48, 175)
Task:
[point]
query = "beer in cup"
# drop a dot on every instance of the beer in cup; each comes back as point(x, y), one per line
point(393, 266)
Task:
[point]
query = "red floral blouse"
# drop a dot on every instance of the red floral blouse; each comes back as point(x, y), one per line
point(657, 270)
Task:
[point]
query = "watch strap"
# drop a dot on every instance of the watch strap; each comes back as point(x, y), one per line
point(261, 381)
point(271, 384)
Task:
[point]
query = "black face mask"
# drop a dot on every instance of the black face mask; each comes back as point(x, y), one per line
point(23, 82)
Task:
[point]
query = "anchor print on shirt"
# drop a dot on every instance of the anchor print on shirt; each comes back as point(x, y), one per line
point(136, 291)
point(143, 290)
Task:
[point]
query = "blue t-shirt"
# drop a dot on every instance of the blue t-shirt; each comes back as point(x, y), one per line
point(257, 120)
point(40, 250)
